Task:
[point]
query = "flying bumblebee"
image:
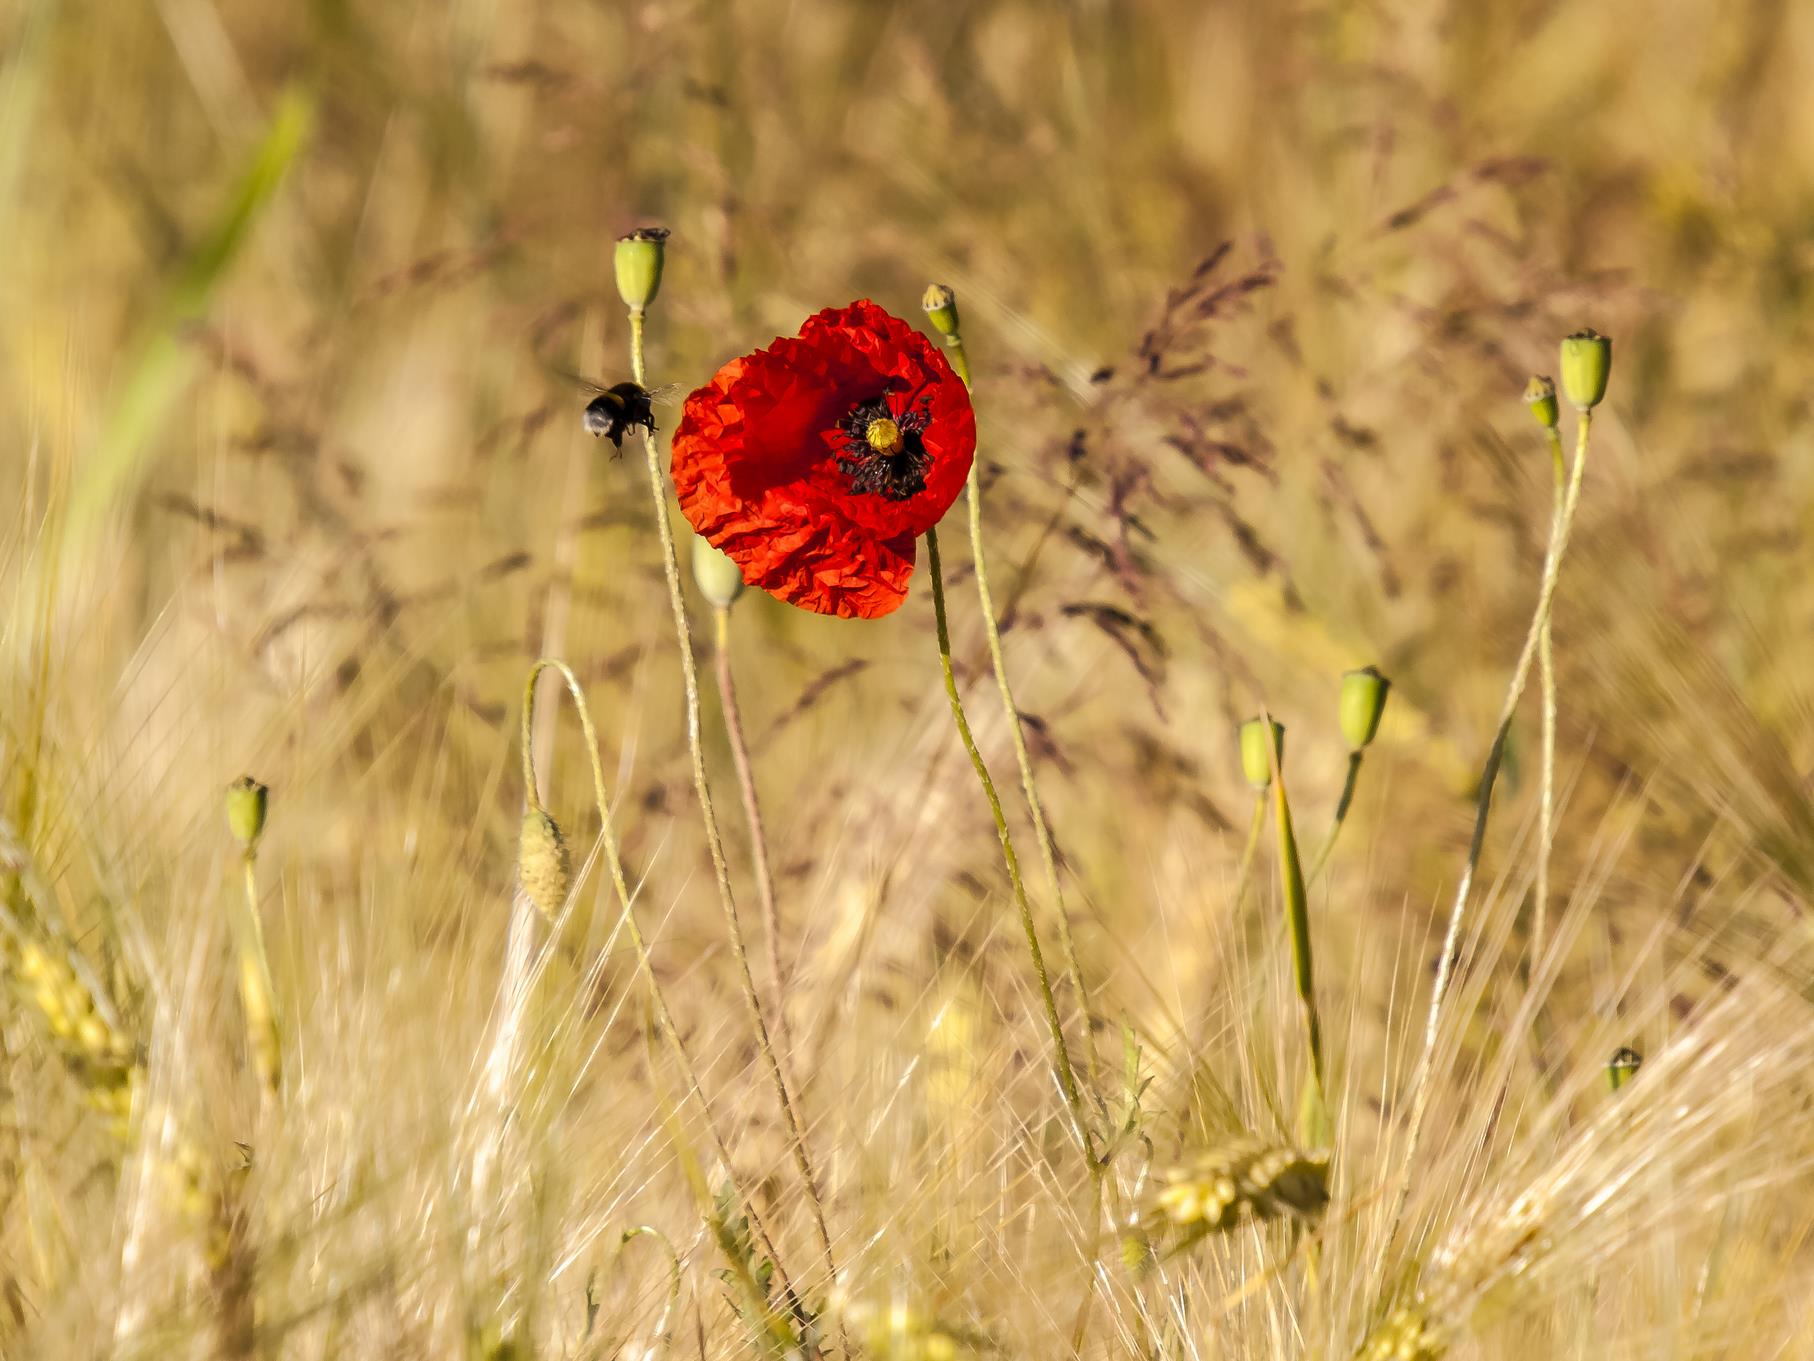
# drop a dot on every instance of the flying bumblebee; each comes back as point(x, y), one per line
point(619, 409)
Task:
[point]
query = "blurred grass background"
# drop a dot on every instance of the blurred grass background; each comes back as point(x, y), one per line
point(1251, 290)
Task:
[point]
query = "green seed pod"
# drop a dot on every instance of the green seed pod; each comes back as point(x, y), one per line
point(941, 308)
point(1586, 365)
point(543, 864)
point(1362, 702)
point(639, 258)
point(1256, 765)
point(246, 803)
point(1540, 397)
point(1622, 1067)
point(720, 580)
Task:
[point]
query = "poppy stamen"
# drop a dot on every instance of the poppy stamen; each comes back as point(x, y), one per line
point(884, 435)
point(883, 451)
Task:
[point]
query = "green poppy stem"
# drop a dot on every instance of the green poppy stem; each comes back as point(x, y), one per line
point(1562, 528)
point(1061, 1054)
point(1546, 668)
point(658, 492)
point(257, 992)
point(752, 811)
point(664, 1019)
point(1341, 815)
point(1313, 1117)
point(1042, 832)
point(1250, 849)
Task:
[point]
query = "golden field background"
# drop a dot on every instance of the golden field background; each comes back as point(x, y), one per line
point(1250, 290)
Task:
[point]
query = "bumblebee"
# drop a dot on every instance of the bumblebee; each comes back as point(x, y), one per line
point(618, 410)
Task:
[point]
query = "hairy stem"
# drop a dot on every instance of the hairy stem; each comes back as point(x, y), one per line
point(664, 1019)
point(1042, 832)
point(658, 492)
point(1546, 668)
point(1563, 525)
point(257, 993)
point(1248, 851)
point(1061, 1054)
point(1341, 815)
point(752, 812)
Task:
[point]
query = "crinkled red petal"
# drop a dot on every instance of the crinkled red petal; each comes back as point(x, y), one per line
point(755, 460)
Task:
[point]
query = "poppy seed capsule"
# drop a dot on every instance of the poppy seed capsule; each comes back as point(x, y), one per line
point(1256, 764)
point(1586, 365)
point(638, 260)
point(542, 862)
point(941, 308)
point(720, 580)
point(247, 800)
point(1540, 397)
point(1363, 701)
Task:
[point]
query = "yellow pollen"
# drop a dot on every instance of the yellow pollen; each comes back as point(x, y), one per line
point(884, 436)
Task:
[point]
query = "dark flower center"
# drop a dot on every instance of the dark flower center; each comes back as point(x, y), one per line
point(883, 451)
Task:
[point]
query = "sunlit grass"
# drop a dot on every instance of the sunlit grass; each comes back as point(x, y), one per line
point(300, 494)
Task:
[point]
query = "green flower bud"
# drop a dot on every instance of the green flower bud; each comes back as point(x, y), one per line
point(543, 864)
point(1586, 365)
point(1256, 765)
point(246, 801)
point(639, 257)
point(1363, 701)
point(1622, 1067)
point(720, 580)
point(1540, 397)
point(941, 308)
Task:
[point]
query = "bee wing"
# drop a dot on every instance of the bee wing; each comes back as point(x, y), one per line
point(579, 380)
point(665, 395)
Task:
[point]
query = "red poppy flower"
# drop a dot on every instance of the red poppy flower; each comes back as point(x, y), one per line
point(817, 463)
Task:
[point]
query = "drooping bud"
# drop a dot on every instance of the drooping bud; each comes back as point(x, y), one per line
point(1363, 701)
point(941, 308)
point(720, 580)
point(1256, 763)
point(1622, 1067)
point(639, 259)
point(1540, 397)
point(1586, 365)
point(543, 864)
point(246, 803)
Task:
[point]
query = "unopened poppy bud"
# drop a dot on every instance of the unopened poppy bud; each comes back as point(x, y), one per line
point(1363, 701)
point(941, 308)
point(1586, 365)
point(1540, 397)
point(1256, 762)
point(638, 260)
point(542, 862)
point(246, 802)
point(720, 580)
point(1622, 1067)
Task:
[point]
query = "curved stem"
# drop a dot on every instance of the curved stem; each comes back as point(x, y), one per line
point(658, 493)
point(1445, 967)
point(1061, 1054)
point(1341, 815)
point(664, 1019)
point(1042, 832)
point(752, 812)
